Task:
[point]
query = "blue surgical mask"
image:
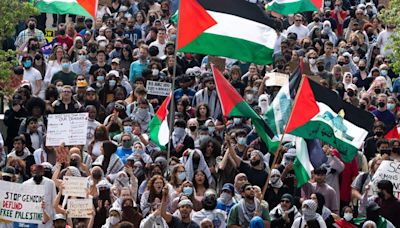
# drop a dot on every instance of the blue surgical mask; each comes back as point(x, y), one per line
point(127, 129)
point(241, 140)
point(188, 191)
point(100, 78)
point(28, 63)
point(112, 83)
point(384, 72)
point(211, 130)
point(236, 120)
point(181, 176)
point(65, 66)
point(390, 106)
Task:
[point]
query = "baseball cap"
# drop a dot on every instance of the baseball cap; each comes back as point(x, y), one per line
point(115, 60)
point(229, 187)
point(185, 202)
point(59, 217)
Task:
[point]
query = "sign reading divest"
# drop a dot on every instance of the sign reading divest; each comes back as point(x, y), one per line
point(158, 88)
point(70, 129)
point(80, 208)
point(75, 186)
point(21, 203)
point(388, 170)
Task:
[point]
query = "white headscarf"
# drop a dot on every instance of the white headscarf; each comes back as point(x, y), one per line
point(263, 103)
point(188, 161)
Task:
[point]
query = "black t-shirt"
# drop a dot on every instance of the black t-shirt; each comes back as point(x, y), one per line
point(255, 176)
point(177, 223)
point(96, 66)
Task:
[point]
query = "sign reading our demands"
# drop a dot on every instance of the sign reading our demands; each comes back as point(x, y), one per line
point(388, 170)
point(158, 88)
point(21, 203)
point(70, 129)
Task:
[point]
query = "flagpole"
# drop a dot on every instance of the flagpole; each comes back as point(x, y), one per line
point(172, 101)
point(265, 187)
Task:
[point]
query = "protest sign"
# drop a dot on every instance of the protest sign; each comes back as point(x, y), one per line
point(388, 170)
point(70, 129)
point(49, 34)
point(276, 79)
point(80, 208)
point(158, 88)
point(21, 203)
point(75, 186)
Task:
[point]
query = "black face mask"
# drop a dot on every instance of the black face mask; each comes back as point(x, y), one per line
point(118, 48)
point(128, 210)
point(320, 68)
point(6, 178)
point(377, 91)
point(192, 128)
point(31, 26)
point(381, 104)
point(379, 133)
point(361, 68)
point(306, 45)
point(34, 47)
point(341, 63)
point(38, 178)
point(279, 66)
point(363, 106)
point(396, 150)
point(209, 203)
point(62, 32)
point(316, 19)
point(255, 162)
point(350, 93)
point(73, 162)
point(89, 25)
point(104, 194)
point(93, 49)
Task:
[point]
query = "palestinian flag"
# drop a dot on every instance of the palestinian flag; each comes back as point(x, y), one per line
point(87, 8)
point(233, 105)
point(285, 7)
point(302, 166)
point(158, 126)
point(319, 113)
point(235, 29)
point(392, 132)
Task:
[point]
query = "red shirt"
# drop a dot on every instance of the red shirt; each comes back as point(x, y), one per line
point(345, 224)
point(346, 177)
point(339, 26)
point(68, 41)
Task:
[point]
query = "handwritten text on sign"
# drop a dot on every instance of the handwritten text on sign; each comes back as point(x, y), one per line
point(80, 208)
point(75, 186)
point(388, 170)
point(158, 88)
point(70, 129)
point(21, 203)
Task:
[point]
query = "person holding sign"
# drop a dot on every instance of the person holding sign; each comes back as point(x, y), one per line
point(38, 178)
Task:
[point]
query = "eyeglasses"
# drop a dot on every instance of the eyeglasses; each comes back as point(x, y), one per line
point(248, 188)
point(285, 201)
point(312, 58)
point(80, 79)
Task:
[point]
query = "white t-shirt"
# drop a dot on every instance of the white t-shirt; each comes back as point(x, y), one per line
point(301, 31)
point(382, 41)
point(161, 48)
point(32, 75)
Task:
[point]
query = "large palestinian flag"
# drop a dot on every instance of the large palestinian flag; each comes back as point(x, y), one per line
point(286, 7)
point(158, 126)
point(86, 8)
point(233, 105)
point(236, 29)
point(319, 113)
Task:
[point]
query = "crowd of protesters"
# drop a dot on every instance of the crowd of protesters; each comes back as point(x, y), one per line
point(216, 173)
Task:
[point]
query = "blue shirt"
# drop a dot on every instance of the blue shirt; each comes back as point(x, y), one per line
point(386, 117)
point(178, 94)
point(136, 69)
point(222, 206)
point(123, 154)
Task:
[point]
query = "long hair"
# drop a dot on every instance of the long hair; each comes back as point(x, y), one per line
point(206, 184)
point(150, 187)
point(174, 178)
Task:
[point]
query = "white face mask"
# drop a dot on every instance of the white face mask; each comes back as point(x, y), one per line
point(348, 216)
point(155, 72)
point(312, 61)
point(114, 220)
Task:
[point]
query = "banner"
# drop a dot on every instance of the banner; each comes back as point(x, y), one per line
point(75, 186)
point(276, 79)
point(158, 88)
point(70, 129)
point(388, 170)
point(21, 203)
point(80, 208)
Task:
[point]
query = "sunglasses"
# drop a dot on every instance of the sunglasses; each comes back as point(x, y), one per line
point(285, 201)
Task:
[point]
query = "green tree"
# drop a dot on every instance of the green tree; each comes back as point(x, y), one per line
point(12, 12)
point(392, 15)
